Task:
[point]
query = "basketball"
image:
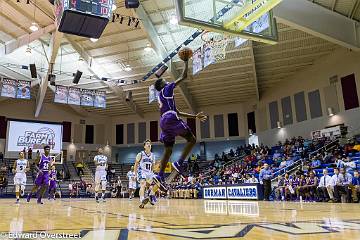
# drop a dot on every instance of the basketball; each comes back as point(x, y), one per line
point(185, 53)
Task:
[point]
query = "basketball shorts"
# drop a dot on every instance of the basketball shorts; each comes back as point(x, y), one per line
point(20, 179)
point(172, 126)
point(147, 175)
point(100, 176)
point(42, 179)
point(52, 185)
point(132, 184)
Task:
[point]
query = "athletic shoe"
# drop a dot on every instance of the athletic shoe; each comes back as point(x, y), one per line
point(17, 201)
point(28, 198)
point(22, 193)
point(152, 199)
point(160, 181)
point(103, 200)
point(39, 202)
point(178, 167)
point(144, 202)
point(97, 199)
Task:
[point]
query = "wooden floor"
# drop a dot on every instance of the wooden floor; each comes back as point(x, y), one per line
point(181, 219)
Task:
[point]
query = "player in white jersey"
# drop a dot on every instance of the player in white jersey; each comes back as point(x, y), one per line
point(20, 167)
point(100, 174)
point(144, 164)
point(132, 182)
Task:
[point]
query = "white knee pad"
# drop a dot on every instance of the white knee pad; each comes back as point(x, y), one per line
point(97, 187)
point(22, 187)
point(103, 185)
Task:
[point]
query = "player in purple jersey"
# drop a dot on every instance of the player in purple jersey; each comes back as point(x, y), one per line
point(52, 184)
point(42, 179)
point(172, 126)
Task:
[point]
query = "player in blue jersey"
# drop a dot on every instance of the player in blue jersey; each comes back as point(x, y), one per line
point(172, 126)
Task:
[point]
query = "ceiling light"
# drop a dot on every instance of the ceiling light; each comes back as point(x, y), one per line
point(173, 19)
point(28, 51)
point(127, 68)
point(113, 7)
point(148, 48)
point(34, 27)
point(278, 123)
point(330, 112)
point(94, 39)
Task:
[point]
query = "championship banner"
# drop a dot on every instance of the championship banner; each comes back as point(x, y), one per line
point(87, 97)
point(208, 56)
point(153, 94)
point(74, 96)
point(61, 94)
point(239, 41)
point(23, 90)
point(197, 61)
point(100, 99)
point(35, 135)
point(9, 87)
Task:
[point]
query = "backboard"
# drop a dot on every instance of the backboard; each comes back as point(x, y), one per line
point(248, 19)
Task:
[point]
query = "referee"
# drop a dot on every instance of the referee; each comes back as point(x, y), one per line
point(265, 179)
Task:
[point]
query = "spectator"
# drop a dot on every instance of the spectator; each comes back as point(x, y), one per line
point(334, 182)
point(80, 168)
point(3, 183)
point(324, 185)
point(29, 153)
point(310, 187)
point(342, 186)
point(283, 163)
point(265, 180)
point(1, 157)
point(315, 163)
point(355, 186)
point(279, 190)
point(24, 151)
point(253, 179)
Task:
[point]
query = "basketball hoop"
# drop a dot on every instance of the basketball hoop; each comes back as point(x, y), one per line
point(218, 43)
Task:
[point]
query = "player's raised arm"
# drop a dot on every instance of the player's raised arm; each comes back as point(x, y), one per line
point(184, 74)
point(201, 116)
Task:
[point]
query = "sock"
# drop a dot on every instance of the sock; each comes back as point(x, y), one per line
point(17, 195)
point(103, 195)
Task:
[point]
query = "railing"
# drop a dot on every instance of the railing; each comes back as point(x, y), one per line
point(324, 147)
point(289, 168)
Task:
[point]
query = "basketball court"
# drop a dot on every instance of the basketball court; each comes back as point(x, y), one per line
point(184, 219)
point(78, 76)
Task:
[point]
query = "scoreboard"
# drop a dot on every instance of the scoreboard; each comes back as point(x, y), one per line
point(87, 18)
point(101, 8)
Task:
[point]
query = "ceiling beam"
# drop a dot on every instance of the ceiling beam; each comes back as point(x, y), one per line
point(52, 53)
point(23, 40)
point(254, 71)
point(333, 5)
point(99, 72)
point(161, 50)
point(314, 19)
point(354, 9)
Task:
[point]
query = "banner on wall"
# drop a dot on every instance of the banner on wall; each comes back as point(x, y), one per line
point(74, 96)
point(100, 99)
point(197, 61)
point(8, 87)
point(61, 94)
point(208, 56)
point(23, 89)
point(35, 135)
point(87, 97)
point(153, 94)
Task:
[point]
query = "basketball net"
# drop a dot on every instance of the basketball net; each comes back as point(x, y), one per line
point(218, 43)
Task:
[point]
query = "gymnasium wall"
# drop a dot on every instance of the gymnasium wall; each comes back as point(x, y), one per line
point(212, 111)
point(316, 79)
point(127, 154)
point(22, 109)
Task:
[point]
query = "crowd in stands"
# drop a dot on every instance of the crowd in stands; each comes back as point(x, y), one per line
point(323, 174)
